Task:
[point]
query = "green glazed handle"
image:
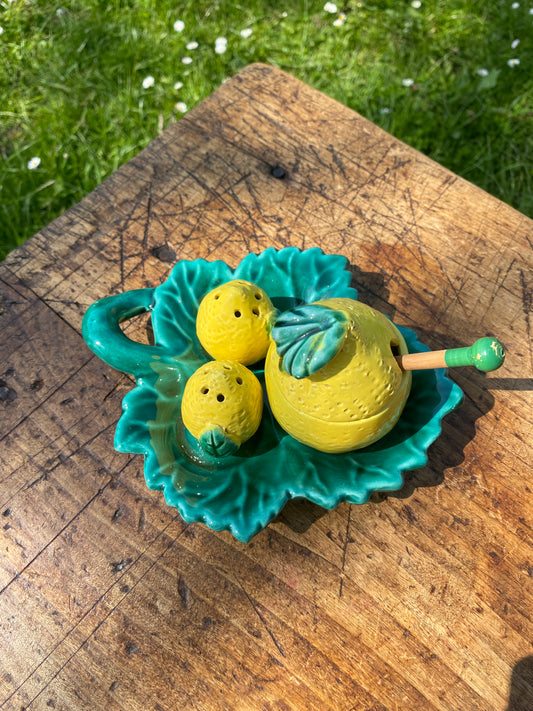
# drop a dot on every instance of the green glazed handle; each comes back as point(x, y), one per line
point(103, 335)
point(485, 354)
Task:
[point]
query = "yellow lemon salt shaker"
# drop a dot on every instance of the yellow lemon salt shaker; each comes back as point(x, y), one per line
point(234, 322)
point(222, 406)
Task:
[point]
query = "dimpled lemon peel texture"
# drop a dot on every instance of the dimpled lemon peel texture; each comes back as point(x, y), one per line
point(355, 398)
point(222, 406)
point(234, 322)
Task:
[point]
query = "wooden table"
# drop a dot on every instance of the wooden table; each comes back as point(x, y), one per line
point(417, 600)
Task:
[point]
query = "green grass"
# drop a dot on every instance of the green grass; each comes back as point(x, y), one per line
point(71, 79)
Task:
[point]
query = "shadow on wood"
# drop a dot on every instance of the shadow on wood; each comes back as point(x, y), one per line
point(521, 693)
point(371, 289)
point(300, 514)
point(510, 384)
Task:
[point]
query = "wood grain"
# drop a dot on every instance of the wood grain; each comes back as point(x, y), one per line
point(417, 600)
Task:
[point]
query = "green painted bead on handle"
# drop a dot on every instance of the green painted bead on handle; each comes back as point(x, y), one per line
point(485, 354)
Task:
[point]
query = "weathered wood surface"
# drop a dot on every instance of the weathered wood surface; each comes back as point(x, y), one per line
point(417, 600)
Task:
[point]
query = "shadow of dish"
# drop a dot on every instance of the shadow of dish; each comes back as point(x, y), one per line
point(521, 692)
point(300, 514)
point(510, 384)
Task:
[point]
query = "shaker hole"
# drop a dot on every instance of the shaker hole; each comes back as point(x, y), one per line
point(220, 397)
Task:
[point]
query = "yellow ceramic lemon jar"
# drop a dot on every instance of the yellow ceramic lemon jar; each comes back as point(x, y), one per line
point(357, 396)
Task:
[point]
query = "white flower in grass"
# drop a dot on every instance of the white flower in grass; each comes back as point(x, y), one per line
point(178, 85)
point(416, 4)
point(384, 110)
point(284, 15)
point(33, 163)
point(179, 26)
point(1, 30)
point(221, 44)
point(181, 106)
point(513, 62)
point(246, 33)
point(515, 5)
point(482, 72)
point(192, 45)
point(408, 82)
point(531, 10)
point(61, 11)
point(515, 43)
point(330, 7)
point(339, 22)
point(148, 82)
point(186, 60)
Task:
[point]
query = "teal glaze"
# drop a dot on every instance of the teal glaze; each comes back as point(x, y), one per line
point(485, 354)
point(216, 443)
point(309, 336)
point(101, 330)
point(244, 491)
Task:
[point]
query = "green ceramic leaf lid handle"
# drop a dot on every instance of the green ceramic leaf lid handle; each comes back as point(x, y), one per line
point(485, 354)
point(102, 333)
point(307, 337)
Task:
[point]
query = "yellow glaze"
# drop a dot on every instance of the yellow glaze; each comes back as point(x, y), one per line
point(354, 399)
point(233, 322)
point(223, 394)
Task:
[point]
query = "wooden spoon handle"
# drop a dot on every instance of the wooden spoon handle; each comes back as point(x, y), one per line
point(486, 354)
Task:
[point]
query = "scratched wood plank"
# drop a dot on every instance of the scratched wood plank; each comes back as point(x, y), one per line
point(78, 576)
point(417, 600)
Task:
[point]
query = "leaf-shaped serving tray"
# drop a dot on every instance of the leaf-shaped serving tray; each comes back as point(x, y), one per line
point(243, 492)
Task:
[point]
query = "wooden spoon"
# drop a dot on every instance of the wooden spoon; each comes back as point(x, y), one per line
point(485, 354)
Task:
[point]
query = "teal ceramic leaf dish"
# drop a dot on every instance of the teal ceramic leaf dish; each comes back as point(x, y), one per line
point(243, 492)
